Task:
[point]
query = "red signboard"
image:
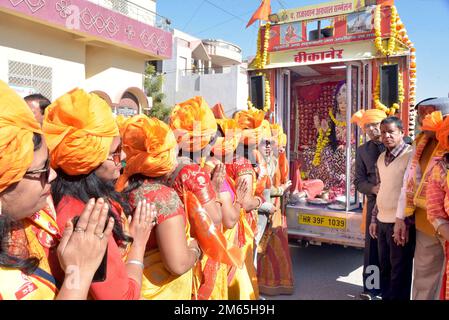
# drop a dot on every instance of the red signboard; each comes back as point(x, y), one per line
point(356, 26)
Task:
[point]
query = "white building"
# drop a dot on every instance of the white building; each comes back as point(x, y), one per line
point(209, 68)
point(51, 47)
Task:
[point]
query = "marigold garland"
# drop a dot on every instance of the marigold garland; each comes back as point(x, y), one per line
point(402, 36)
point(335, 121)
point(262, 57)
point(322, 141)
point(397, 32)
point(379, 105)
point(390, 50)
point(267, 101)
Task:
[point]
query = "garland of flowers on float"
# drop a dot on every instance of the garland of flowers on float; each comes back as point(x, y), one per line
point(390, 50)
point(262, 56)
point(323, 140)
point(397, 32)
point(267, 101)
point(403, 37)
point(379, 105)
point(335, 121)
point(260, 61)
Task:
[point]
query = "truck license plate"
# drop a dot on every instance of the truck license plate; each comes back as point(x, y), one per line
point(322, 221)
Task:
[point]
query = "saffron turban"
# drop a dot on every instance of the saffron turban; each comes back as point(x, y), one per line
point(435, 122)
point(150, 148)
point(79, 128)
point(17, 126)
point(254, 126)
point(364, 117)
point(193, 124)
point(279, 137)
point(121, 119)
point(230, 141)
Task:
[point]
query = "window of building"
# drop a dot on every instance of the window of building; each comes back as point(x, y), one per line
point(31, 78)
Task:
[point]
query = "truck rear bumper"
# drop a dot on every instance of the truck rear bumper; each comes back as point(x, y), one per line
point(319, 224)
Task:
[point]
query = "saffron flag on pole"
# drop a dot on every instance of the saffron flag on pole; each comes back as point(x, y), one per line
point(261, 13)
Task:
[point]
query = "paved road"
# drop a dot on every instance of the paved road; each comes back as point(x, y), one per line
point(327, 272)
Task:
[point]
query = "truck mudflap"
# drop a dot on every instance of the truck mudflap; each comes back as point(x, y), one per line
point(324, 225)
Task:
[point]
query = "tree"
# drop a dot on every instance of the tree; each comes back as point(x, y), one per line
point(153, 88)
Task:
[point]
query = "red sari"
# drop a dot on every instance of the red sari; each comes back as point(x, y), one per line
point(117, 286)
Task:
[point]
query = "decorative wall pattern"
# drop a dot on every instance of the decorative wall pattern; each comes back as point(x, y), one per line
point(86, 18)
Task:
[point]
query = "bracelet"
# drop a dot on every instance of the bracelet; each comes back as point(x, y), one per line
point(136, 262)
point(260, 202)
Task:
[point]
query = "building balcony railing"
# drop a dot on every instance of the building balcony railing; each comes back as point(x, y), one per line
point(203, 71)
point(223, 53)
point(115, 22)
point(136, 12)
point(222, 44)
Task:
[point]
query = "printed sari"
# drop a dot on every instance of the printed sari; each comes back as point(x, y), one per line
point(38, 235)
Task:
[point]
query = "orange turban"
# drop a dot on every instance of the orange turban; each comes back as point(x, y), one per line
point(278, 135)
point(17, 125)
point(435, 122)
point(121, 119)
point(230, 141)
point(79, 128)
point(193, 124)
point(150, 148)
point(363, 117)
point(254, 126)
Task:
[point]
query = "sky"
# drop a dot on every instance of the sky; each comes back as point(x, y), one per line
point(426, 21)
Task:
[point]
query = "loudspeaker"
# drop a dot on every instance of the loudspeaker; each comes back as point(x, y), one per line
point(389, 84)
point(257, 91)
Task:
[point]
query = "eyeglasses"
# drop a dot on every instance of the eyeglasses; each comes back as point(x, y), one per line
point(44, 173)
point(116, 157)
